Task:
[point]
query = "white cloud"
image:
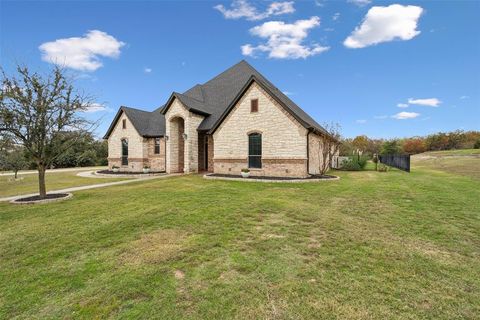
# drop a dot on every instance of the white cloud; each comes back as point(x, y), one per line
point(96, 107)
point(287, 93)
point(361, 121)
point(82, 53)
point(383, 24)
point(360, 3)
point(464, 97)
point(405, 115)
point(431, 102)
point(319, 3)
point(147, 70)
point(402, 105)
point(285, 40)
point(336, 16)
point(243, 9)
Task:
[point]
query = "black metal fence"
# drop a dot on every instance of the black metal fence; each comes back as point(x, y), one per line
point(399, 161)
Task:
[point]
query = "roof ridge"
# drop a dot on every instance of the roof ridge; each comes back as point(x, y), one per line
point(225, 71)
point(135, 109)
point(189, 97)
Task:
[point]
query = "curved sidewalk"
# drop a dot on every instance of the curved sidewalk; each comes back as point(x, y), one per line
point(92, 186)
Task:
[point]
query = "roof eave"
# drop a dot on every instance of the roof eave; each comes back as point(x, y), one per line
point(114, 122)
point(153, 136)
point(249, 82)
point(176, 95)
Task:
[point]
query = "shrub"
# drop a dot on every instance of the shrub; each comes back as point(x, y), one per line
point(355, 163)
point(362, 162)
point(351, 165)
point(382, 168)
point(477, 144)
point(245, 170)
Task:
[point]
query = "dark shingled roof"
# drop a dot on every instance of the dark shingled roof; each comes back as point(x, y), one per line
point(148, 124)
point(215, 98)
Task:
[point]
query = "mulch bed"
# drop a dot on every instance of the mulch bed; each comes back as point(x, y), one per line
point(316, 177)
point(127, 172)
point(49, 196)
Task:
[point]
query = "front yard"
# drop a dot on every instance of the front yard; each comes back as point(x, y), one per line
point(28, 183)
point(372, 245)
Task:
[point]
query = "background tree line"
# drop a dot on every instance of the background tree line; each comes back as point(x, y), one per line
point(458, 139)
point(85, 152)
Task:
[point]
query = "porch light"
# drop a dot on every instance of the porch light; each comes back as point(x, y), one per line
point(166, 138)
point(184, 136)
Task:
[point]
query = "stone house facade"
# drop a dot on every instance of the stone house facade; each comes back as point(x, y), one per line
point(236, 120)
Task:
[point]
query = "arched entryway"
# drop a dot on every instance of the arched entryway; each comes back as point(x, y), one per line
point(177, 144)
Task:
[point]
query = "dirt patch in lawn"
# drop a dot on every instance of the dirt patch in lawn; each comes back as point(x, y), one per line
point(155, 247)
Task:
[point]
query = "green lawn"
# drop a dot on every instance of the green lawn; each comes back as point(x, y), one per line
point(460, 152)
point(28, 183)
point(369, 246)
point(460, 162)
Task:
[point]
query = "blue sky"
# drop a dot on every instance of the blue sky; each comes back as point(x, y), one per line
point(136, 53)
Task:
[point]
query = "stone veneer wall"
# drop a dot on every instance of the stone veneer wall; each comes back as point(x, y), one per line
point(155, 161)
point(191, 123)
point(211, 150)
point(314, 149)
point(136, 147)
point(201, 152)
point(284, 142)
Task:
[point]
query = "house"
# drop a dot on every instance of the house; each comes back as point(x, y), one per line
point(236, 120)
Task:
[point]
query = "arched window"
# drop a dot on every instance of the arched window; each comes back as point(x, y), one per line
point(124, 152)
point(255, 150)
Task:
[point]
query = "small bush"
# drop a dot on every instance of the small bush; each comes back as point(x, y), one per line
point(351, 165)
point(382, 168)
point(362, 162)
point(354, 164)
point(477, 144)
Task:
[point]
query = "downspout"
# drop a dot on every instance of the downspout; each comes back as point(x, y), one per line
point(165, 148)
point(308, 150)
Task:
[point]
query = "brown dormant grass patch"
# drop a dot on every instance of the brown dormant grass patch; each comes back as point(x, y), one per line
point(155, 247)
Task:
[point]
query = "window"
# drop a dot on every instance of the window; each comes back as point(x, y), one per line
point(124, 152)
point(124, 123)
point(157, 146)
point(255, 150)
point(254, 105)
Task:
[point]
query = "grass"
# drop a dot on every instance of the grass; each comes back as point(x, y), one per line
point(369, 246)
point(460, 152)
point(28, 183)
point(460, 162)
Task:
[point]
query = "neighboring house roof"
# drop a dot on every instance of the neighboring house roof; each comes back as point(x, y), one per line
point(216, 98)
point(147, 124)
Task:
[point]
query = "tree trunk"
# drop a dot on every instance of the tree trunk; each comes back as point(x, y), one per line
point(15, 171)
point(41, 181)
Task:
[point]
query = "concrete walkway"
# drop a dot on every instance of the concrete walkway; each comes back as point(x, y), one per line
point(92, 186)
point(51, 170)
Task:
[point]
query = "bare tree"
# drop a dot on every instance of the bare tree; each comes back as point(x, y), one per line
point(329, 146)
point(34, 109)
